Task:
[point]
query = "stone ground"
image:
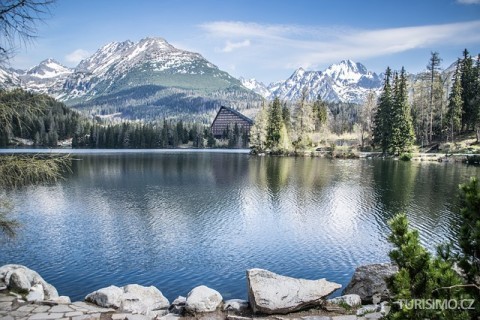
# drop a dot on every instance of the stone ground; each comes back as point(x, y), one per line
point(12, 309)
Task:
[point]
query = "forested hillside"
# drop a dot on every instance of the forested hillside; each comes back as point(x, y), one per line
point(40, 120)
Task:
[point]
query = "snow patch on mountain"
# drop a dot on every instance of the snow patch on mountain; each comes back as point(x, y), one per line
point(346, 81)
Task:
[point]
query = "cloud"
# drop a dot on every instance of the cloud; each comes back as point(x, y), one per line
point(468, 1)
point(292, 46)
point(77, 56)
point(230, 46)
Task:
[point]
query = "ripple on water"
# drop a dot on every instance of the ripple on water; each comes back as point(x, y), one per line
point(178, 220)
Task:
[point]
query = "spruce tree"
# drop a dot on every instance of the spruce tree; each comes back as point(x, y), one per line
point(455, 103)
point(468, 92)
point(274, 124)
point(469, 239)
point(433, 68)
point(404, 118)
point(421, 277)
point(382, 119)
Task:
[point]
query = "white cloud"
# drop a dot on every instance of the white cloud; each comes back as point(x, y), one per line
point(230, 46)
point(468, 1)
point(77, 56)
point(292, 46)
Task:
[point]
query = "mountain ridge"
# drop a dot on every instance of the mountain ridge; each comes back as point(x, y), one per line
point(346, 81)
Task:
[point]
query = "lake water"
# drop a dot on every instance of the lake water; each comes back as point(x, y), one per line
point(178, 219)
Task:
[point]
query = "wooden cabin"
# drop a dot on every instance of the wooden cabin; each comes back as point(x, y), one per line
point(227, 118)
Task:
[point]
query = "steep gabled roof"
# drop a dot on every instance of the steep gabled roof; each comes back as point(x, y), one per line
point(235, 112)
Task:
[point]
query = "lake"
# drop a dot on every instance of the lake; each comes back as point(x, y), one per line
point(179, 219)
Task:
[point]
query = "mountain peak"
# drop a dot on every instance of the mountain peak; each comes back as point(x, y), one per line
point(48, 68)
point(346, 81)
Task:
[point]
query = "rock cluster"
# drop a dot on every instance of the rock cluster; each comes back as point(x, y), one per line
point(30, 284)
point(132, 298)
point(269, 294)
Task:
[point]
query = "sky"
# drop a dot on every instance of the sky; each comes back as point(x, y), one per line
point(265, 39)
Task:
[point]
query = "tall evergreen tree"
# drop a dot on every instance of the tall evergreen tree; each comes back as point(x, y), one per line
point(382, 119)
point(433, 68)
point(319, 113)
point(402, 116)
point(455, 103)
point(468, 92)
point(274, 124)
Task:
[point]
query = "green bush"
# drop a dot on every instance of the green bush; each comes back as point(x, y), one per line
point(421, 277)
point(406, 156)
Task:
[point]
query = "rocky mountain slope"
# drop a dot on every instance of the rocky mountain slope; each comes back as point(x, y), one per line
point(138, 80)
point(346, 81)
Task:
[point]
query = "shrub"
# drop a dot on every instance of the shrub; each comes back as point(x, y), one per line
point(406, 156)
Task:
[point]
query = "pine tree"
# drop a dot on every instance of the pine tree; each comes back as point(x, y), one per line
point(382, 119)
point(319, 113)
point(403, 119)
point(420, 276)
point(433, 67)
point(274, 124)
point(469, 239)
point(468, 92)
point(455, 103)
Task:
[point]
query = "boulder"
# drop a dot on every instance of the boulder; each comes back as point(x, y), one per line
point(141, 300)
point(369, 282)
point(132, 298)
point(271, 293)
point(109, 297)
point(203, 299)
point(18, 281)
point(236, 305)
point(352, 300)
point(21, 279)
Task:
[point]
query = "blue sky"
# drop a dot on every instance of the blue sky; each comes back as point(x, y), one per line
point(266, 39)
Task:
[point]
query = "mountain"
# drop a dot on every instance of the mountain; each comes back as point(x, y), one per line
point(346, 81)
point(151, 79)
point(147, 79)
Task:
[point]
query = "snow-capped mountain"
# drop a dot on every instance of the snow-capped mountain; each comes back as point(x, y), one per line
point(48, 77)
point(145, 79)
point(256, 86)
point(346, 81)
point(151, 61)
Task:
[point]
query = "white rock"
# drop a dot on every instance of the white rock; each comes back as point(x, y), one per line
point(141, 300)
point(203, 299)
point(36, 293)
point(271, 293)
point(18, 281)
point(109, 297)
point(352, 300)
point(237, 305)
point(18, 277)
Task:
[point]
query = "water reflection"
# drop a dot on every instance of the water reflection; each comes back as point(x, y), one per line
point(177, 220)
